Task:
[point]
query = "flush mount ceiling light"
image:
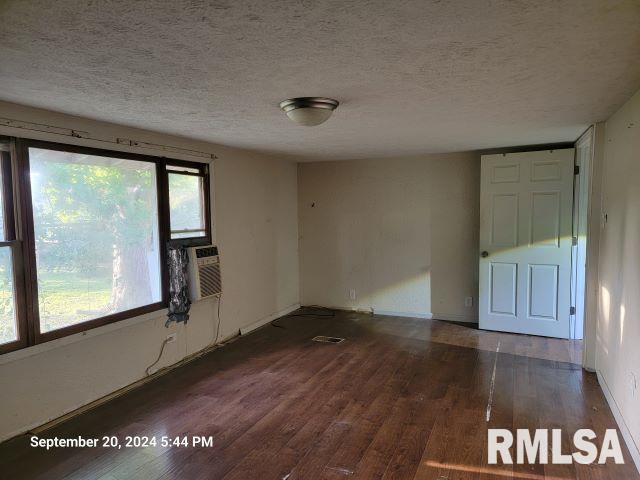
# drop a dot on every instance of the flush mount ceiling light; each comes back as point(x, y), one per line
point(309, 111)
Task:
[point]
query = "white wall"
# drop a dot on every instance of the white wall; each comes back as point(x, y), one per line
point(402, 232)
point(255, 215)
point(618, 338)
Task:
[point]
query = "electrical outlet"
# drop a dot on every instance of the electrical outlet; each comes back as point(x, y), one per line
point(352, 294)
point(172, 337)
point(468, 302)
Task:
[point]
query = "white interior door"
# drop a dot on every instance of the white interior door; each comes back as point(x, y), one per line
point(525, 242)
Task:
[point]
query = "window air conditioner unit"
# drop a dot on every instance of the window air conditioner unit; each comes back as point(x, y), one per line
point(204, 273)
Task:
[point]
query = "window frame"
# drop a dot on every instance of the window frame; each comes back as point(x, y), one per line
point(11, 241)
point(23, 244)
point(203, 173)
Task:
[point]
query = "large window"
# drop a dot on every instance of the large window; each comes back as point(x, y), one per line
point(94, 228)
point(96, 232)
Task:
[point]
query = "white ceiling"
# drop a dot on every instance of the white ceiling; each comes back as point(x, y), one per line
point(412, 76)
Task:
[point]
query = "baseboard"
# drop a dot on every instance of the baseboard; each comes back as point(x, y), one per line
point(453, 317)
point(269, 318)
point(626, 433)
point(373, 311)
point(427, 316)
point(366, 310)
point(456, 317)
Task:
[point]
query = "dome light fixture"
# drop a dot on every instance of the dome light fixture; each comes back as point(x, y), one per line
point(309, 111)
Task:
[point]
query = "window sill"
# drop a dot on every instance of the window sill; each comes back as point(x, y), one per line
point(77, 337)
point(190, 242)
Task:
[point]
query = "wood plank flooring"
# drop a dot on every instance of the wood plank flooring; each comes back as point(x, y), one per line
point(399, 399)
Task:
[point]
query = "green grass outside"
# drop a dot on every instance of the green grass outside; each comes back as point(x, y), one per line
point(65, 298)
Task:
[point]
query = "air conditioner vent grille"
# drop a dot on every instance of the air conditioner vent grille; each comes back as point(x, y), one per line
point(205, 276)
point(210, 281)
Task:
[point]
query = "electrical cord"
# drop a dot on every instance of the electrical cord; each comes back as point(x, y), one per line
point(273, 324)
point(166, 340)
point(331, 313)
point(215, 342)
point(164, 344)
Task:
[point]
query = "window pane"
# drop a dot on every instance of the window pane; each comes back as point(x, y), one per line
point(186, 205)
point(197, 233)
point(96, 235)
point(8, 328)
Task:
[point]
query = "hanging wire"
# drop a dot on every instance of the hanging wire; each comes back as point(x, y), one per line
point(215, 342)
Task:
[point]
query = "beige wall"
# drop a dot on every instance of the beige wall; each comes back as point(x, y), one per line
point(255, 214)
point(402, 232)
point(618, 338)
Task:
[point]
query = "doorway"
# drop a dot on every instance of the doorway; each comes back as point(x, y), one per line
point(533, 234)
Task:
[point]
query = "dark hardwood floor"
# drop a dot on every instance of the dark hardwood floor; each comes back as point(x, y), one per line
point(399, 399)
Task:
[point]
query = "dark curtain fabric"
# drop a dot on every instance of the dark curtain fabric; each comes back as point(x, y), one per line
point(179, 302)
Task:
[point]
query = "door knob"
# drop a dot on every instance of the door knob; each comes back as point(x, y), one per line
point(484, 254)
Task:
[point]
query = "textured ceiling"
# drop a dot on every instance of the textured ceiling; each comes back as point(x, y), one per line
point(413, 76)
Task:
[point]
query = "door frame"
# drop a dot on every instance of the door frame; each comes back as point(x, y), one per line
point(594, 137)
point(580, 233)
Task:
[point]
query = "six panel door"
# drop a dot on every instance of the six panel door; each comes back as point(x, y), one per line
point(525, 242)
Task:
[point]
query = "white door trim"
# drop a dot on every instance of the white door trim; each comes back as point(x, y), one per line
point(594, 135)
